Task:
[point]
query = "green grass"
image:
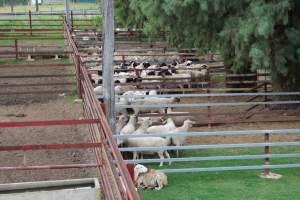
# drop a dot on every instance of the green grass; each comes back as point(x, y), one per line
point(234, 185)
point(239, 185)
point(12, 61)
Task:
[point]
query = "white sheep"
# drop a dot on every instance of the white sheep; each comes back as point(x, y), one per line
point(162, 128)
point(98, 90)
point(146, 122)
point(121, 123)
point(129, 128)
point(153, 119)
point(180, 140)
point(149, 178)
point(179, 119)
point(150, 142)
point(152, 101)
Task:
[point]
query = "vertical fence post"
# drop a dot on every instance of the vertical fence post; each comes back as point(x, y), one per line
point(107, 60)
point(266, 88)
point(30, 22)
point(209, 115)
point(79, 84)
point(267, 152)
point(16, 48)
point(72, 21)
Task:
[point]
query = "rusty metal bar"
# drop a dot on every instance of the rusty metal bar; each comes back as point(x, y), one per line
point(267, 151)
point(37, 84)
point(30, 22)
point(35, 65)
point(40, 167)
point(16, 49)
point(30, 147)
point(38, 92)
point(48, 123)
point(39, 76)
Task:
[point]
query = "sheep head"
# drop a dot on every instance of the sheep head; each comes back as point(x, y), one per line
point(139, 169)
point(189, 123)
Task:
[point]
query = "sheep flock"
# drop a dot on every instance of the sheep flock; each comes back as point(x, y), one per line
point(127, 77)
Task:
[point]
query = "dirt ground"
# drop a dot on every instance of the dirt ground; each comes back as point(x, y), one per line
point(42, 107)
point(239, 122)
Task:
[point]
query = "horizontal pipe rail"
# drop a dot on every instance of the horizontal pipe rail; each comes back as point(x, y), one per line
point(216, 95)
point(41, 167)
point(35, 65)
point(37, 84)
point(201, 105)
point(38, 76)
point(210, 133)
point(32, 52)
point(211, 146)
point(64, 122)
point(31, 38)
point(215, 158)
point(231, 168)
point(37, 92)
point(31, 147)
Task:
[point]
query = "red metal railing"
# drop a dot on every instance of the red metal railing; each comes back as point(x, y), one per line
point(118, 184)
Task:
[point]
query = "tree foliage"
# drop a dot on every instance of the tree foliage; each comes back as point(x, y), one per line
point(251, 34)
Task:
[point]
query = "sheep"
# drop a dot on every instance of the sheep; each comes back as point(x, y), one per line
point(121, 123)
point(200, 76)
point(96, 79)
point(179, 119)
point(122, 101)
point(153, 119)
point(153, 101)
point(129, 128)
point(149, 178)
point(98, 90)
point(150, 142)
point(144, 126)
point(120, 89)
point(180, 140)
point(162, 128)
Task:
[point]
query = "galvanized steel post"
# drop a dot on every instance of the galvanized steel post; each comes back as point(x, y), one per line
point(66, 2)
point(107, 57)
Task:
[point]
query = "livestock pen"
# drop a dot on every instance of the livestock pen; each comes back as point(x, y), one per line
point(113, 175)
point(234, 131)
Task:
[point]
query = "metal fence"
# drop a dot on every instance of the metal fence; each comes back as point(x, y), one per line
point(114, 176)
point(265, 143)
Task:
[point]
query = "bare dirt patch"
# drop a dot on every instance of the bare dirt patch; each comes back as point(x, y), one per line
point(42, 107)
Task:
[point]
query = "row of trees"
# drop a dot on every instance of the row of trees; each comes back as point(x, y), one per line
point(250, 34)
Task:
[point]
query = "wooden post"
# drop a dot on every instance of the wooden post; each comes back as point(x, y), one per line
point(16, 48)
point(107, 58)
point(30, 22)
point(267, 151)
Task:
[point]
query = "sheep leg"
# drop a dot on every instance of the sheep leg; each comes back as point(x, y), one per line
point(135, 155)
point(168, 156)
point(161, 156)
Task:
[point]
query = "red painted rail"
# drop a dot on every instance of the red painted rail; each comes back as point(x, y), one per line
point(120, 184)
point(48, 146)
point(48, 123)
point(39, 167)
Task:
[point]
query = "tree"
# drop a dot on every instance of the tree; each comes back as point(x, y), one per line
point(251, 34)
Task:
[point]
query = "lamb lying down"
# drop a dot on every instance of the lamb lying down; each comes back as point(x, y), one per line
point(149, 178)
